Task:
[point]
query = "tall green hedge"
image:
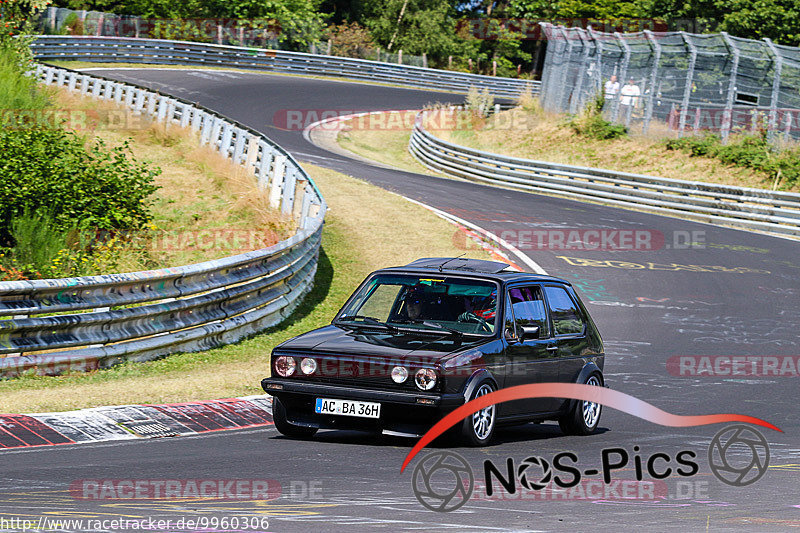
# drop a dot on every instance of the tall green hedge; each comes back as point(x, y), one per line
point(81, 185)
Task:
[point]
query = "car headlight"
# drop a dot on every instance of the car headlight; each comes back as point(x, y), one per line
point(399, 374)
point(308, 366)
point(425, 379)
point(285, 365)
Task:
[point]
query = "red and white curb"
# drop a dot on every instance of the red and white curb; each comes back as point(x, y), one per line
point(129, 422)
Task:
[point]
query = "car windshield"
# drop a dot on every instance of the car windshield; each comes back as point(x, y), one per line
point(431, 303)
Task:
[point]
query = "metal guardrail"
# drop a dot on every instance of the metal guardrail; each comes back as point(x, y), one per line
point(163, 52)
point(98, 321)
point(753, 209)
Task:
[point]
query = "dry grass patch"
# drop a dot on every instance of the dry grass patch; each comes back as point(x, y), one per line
point(533, 134)
point(382, 137)
point(206, 207)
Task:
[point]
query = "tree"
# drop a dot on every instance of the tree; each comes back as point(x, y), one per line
point(427, 26)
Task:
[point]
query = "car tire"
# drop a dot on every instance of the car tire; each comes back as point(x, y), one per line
point(478, 429)
point(583, 416)
point(285, 427)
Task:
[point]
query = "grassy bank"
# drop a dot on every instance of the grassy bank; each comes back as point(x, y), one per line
point(542, 136)
point(533, 134)
point(358, 238)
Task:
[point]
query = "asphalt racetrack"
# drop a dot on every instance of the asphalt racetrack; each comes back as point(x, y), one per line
point(651, 306)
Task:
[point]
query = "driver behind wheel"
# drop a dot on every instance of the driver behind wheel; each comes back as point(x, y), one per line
point(479, 308)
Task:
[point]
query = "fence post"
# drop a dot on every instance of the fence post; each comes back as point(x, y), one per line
point(546, 93)
point(425, 59)
point(776, 87)
point(648, 113)
point(623, 72)
point(400, 57)
point(727, 116)
point(564, 70)
point(575, 100)
point(599, 60)
point(687, 91)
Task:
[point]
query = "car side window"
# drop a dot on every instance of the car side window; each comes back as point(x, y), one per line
point(566, 317)
point(529, 309)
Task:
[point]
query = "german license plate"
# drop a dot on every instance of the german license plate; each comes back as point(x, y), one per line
point(326, 406)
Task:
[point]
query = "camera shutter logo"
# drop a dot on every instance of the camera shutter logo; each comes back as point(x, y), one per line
point(528, 466)
point(443, 481)
point(738, 455)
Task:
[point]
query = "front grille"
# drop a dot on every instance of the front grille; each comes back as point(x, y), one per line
point(366, 373)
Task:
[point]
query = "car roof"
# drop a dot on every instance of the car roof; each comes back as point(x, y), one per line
point(493, 270)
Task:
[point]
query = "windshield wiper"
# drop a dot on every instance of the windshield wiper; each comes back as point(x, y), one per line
point(367, 321)
point(432, 325)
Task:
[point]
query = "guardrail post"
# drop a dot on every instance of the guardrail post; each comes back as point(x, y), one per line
point(267, 155)
point(96, 86)
point(252, 153)
point(162, 108)
point(140, 98)
point(73, 81)
point(50, 74)
point(776, 87)
point(85, 81)
point(186, 114)
point(687, 91)
point(197, 118)
point(238, 148)
point(656, 49)
point(276, 181)
point(307, 197)
point(727, 115)
point(207, 133)
point(129, 94)
point(227, 138)
point(287, 200)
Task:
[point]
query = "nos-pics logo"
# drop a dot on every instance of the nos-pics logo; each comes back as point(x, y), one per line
point(443, 481)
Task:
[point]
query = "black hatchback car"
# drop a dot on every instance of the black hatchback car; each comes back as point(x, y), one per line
point(415, 342)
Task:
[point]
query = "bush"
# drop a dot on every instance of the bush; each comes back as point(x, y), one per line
point(37, 242)
point(351, 40)
point(752, 151)
point(84, 186)
point(479, 103)
point(590, 122)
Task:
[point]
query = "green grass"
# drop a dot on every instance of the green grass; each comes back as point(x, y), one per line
point(18, 92)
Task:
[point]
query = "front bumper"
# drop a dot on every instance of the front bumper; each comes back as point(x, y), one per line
point(401, 412)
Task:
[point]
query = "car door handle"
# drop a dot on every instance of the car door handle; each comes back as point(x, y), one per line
point(552, 348)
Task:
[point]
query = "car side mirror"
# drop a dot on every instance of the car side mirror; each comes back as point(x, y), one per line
point(529, 332)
